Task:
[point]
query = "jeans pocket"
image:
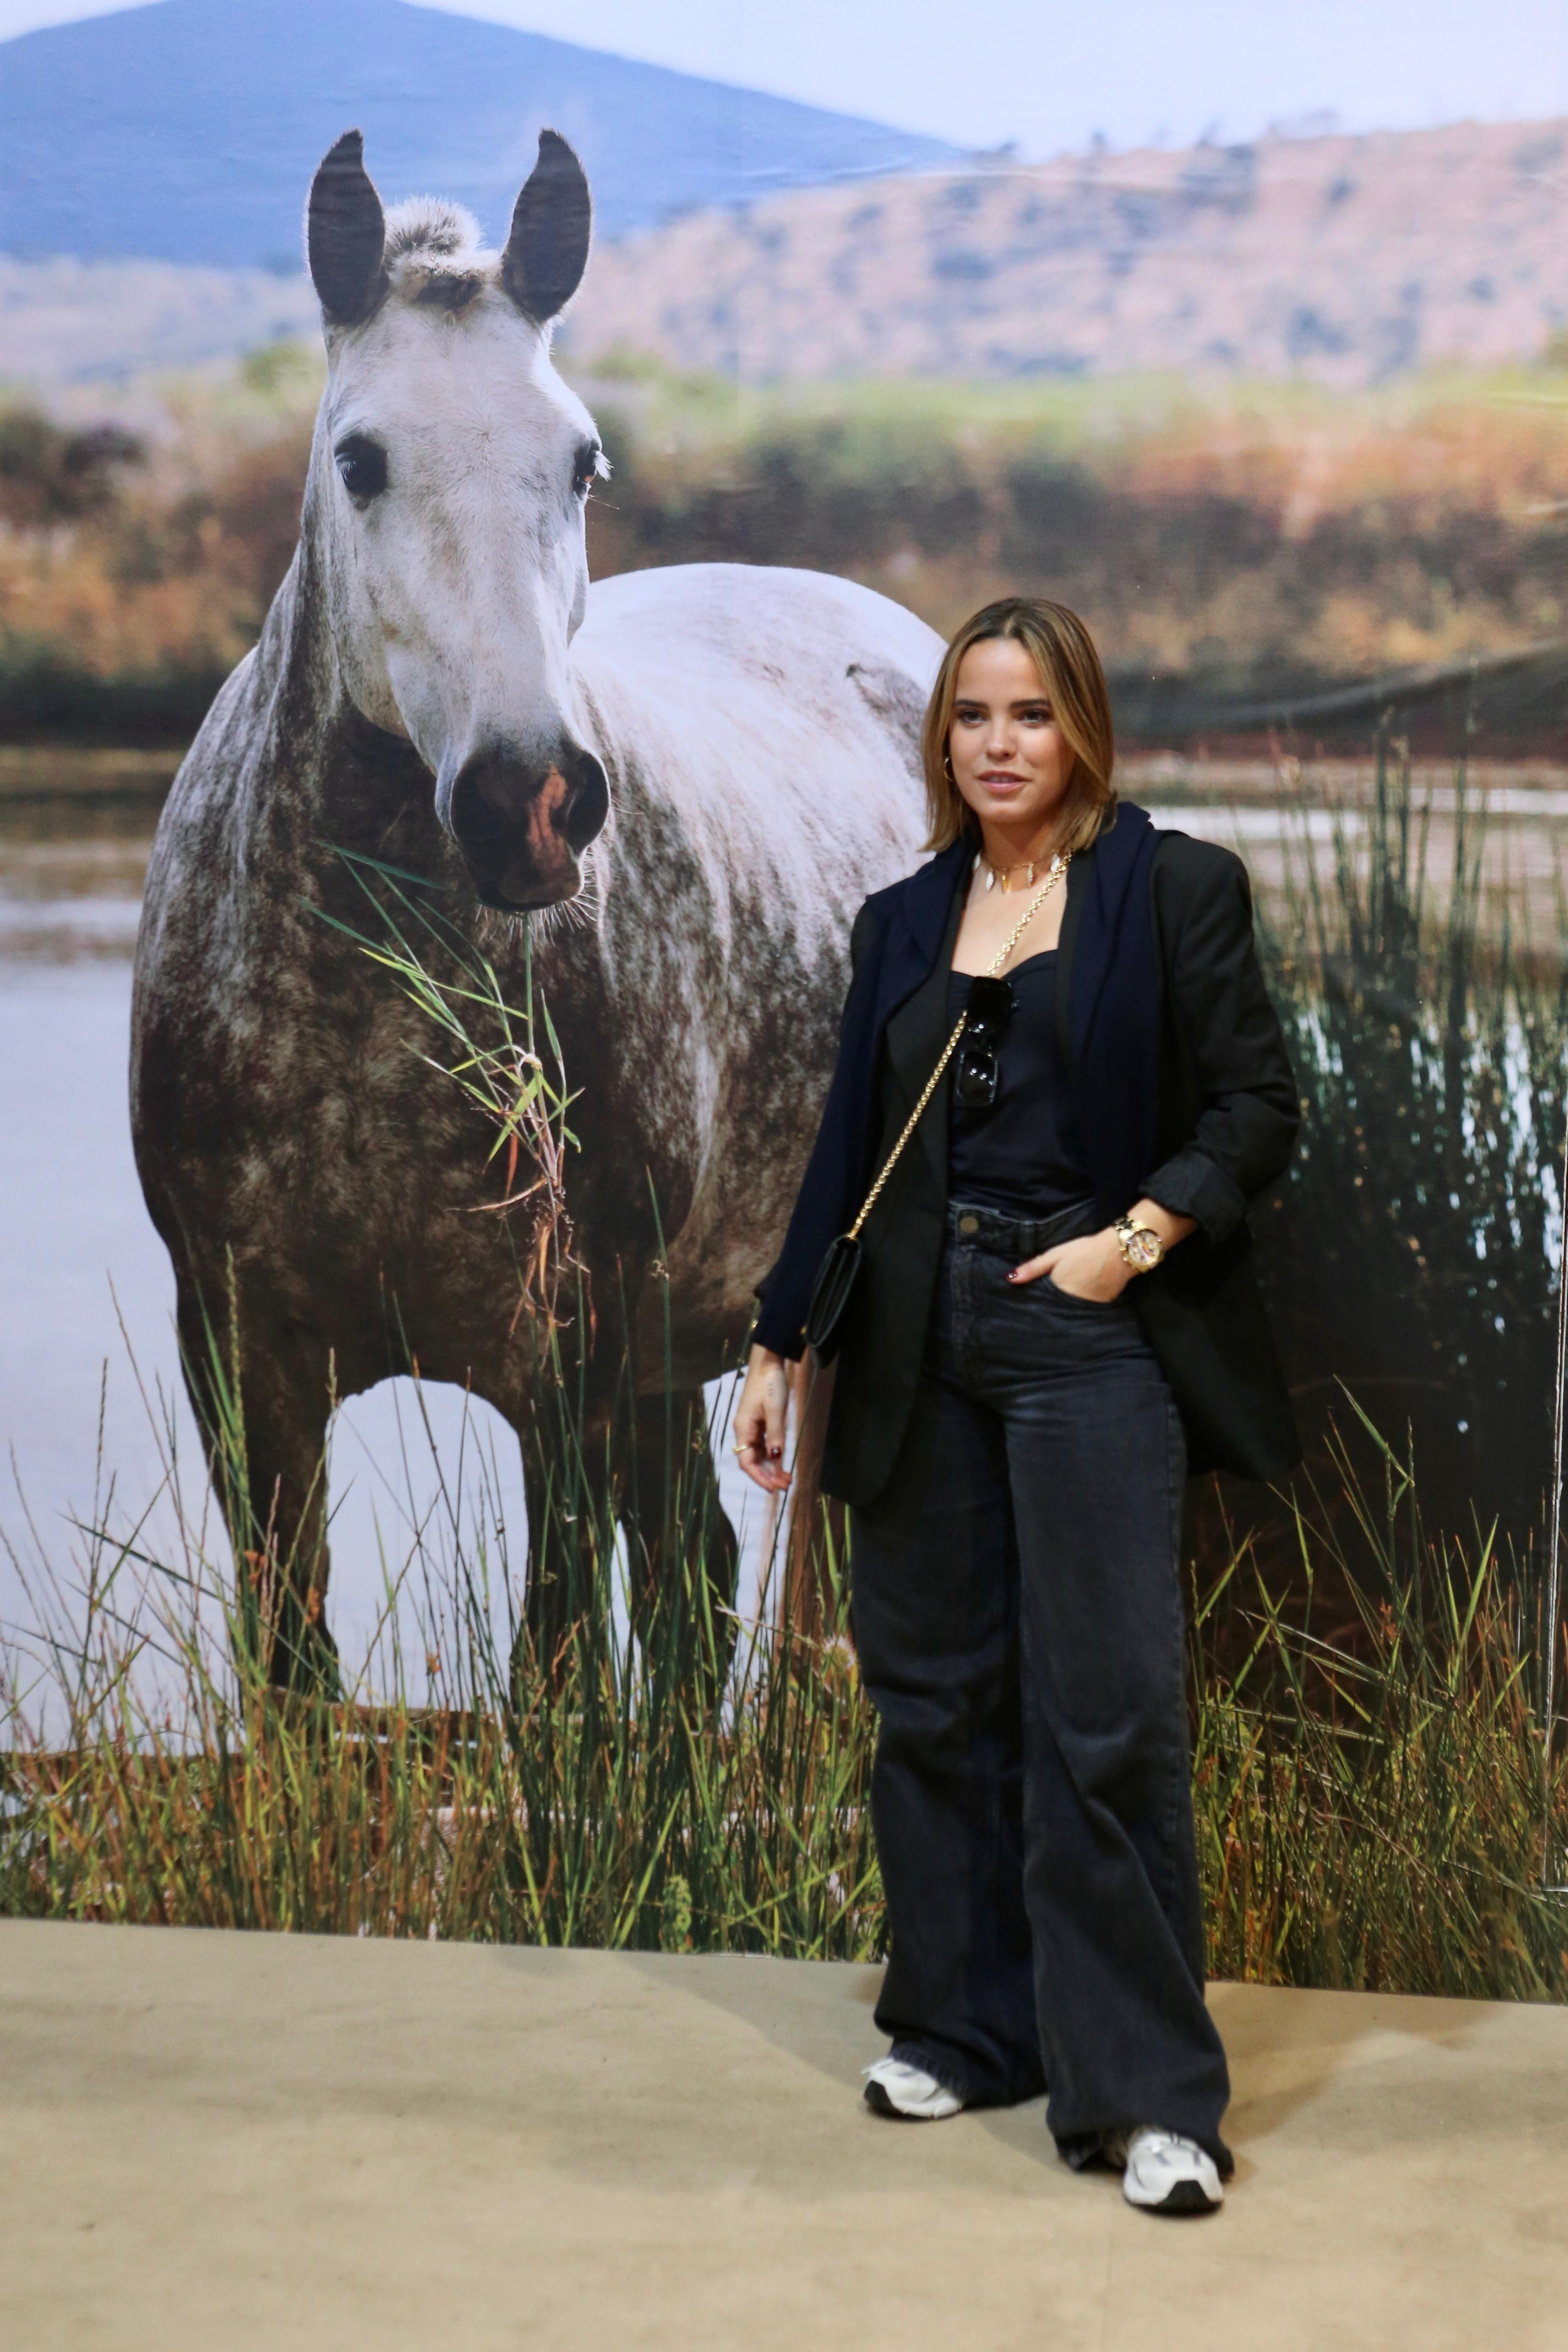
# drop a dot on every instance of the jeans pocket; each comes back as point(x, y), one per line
point(1071, 1298)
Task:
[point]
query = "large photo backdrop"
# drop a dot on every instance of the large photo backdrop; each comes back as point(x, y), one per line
point(474, 1198)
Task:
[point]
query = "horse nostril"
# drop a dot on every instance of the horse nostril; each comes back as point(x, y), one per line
point(480, 813)
point(521, 823)
point(588, 805)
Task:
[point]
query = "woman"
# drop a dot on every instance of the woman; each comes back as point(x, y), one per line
point(1053, 1323)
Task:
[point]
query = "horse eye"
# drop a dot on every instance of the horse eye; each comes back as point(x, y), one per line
point(585, 468)
point(363, 463)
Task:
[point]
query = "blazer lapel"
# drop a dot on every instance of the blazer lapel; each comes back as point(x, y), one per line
point(1078, 883)
point(919, 926)
point(1108, 1003)
point(1098, 884)
point(915, 1036)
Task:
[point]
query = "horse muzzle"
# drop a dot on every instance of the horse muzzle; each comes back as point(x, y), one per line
point(523, 823)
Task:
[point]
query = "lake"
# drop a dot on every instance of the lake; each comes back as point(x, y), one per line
point(88, 1369)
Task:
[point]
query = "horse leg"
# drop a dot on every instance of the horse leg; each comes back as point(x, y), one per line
point(658, 1478)
point(672, 1513)
point(263, 1409)
point(566, 1466)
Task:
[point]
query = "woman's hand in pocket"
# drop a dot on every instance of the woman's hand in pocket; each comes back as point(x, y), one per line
point(1091, 1267)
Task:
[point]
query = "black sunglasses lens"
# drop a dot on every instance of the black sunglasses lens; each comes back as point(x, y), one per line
point(975, 1077)
point(990, 1001)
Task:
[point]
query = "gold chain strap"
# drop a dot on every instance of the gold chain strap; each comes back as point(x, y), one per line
point(1058, 868)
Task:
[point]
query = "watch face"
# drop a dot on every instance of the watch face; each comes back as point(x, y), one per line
point(1146, 1247)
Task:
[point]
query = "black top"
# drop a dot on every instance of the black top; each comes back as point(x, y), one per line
point(1024, 1155)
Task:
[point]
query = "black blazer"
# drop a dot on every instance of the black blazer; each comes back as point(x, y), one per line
point(1185, 1094)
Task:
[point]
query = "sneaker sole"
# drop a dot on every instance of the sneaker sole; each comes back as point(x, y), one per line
point(879, 2103)
point(1186, 2197)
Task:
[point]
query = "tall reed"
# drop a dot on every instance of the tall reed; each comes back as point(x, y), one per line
point(1412, 1249)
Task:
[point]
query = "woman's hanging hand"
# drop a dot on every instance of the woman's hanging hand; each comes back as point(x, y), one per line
point(759, 1421)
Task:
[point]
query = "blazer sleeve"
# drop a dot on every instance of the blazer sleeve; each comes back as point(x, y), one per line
point(1232, 1045)
point(823, 1206)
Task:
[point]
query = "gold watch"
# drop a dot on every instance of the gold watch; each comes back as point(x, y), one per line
point(1140, 1245)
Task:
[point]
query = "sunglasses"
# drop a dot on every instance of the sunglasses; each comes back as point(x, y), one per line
point(975, 1075)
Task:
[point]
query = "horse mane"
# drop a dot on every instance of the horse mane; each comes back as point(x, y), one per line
point(434, 253)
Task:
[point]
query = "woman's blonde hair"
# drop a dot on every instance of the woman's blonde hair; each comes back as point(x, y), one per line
point(1063, 653)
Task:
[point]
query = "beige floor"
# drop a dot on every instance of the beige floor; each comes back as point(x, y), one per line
point(228, 2141)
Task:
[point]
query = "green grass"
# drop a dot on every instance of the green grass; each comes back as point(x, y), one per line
point(693, 412)
point(694, 1783)
point(1369, 1813)
point(1372, 1809)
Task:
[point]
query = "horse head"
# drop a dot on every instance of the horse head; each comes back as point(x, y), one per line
point(443, 508)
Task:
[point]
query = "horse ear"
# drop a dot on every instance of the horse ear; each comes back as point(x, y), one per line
point(346, 235)
point(547, 251)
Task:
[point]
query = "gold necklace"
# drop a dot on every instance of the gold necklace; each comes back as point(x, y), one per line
point(999, 873)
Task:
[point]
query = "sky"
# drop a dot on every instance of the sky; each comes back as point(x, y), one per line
point(1049, 75)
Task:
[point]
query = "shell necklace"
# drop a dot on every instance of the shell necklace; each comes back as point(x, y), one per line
point(995, 874)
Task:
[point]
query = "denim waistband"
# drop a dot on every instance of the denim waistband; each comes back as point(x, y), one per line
point(971, 1226)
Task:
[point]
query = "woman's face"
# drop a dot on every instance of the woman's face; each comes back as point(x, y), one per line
point(1010, 759)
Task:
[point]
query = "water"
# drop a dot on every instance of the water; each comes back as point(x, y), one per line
point(1277, 813)
point(86, 1295)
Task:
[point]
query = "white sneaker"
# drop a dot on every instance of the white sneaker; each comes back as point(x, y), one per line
point(894, 2089)
point(1165, 2173)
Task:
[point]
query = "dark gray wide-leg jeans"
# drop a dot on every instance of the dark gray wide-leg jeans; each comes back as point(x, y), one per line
point(1018, 1614)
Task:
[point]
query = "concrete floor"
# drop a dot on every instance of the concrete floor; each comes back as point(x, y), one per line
point(226, 2141)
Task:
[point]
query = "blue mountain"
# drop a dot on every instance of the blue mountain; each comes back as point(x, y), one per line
point(188, 131)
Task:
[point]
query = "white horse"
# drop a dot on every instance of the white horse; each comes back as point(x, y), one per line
point(701, 768)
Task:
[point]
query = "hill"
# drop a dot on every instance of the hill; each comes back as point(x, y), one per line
point(1346, 259)
point(187, 132)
